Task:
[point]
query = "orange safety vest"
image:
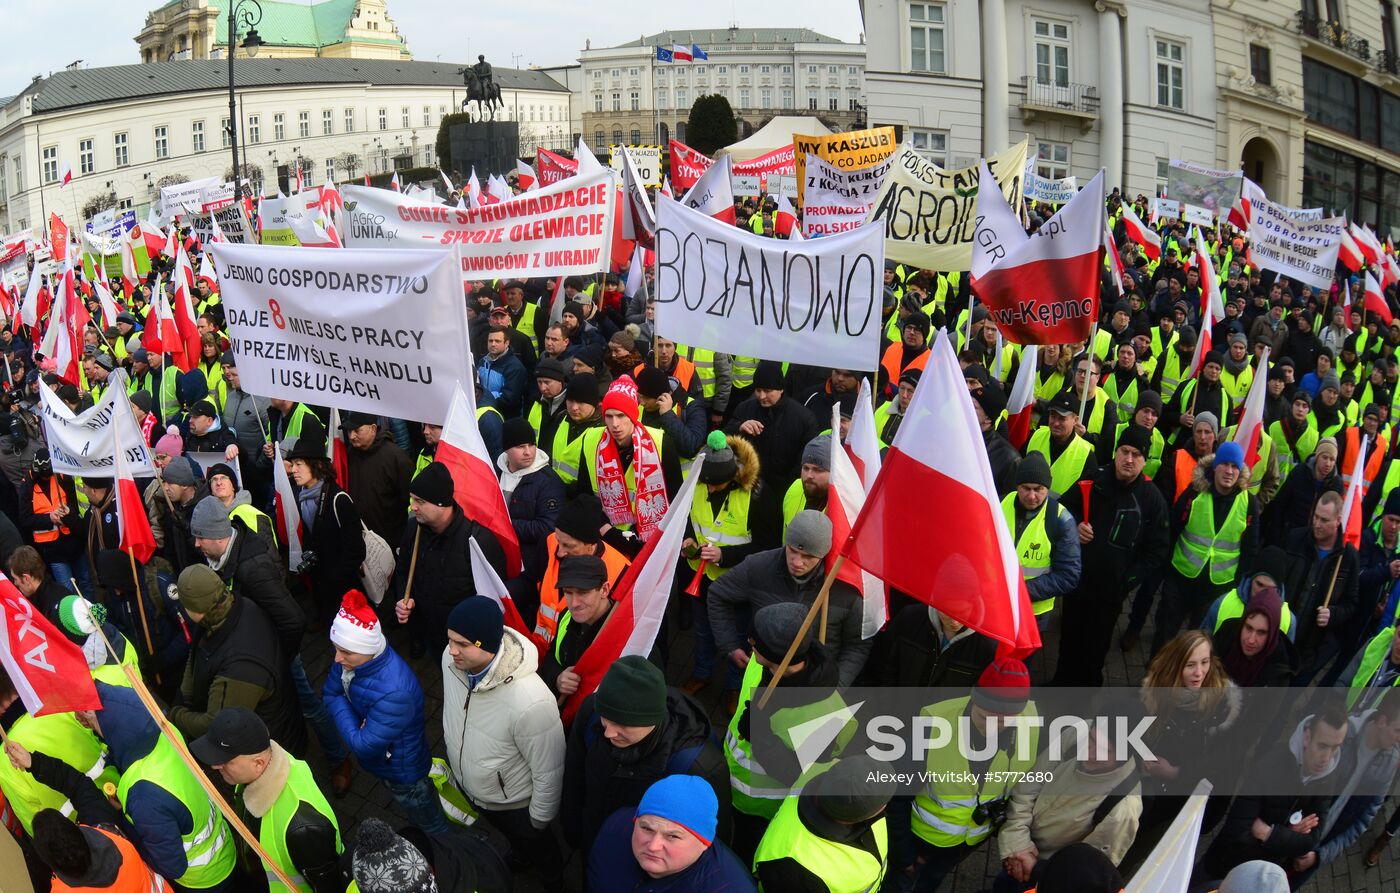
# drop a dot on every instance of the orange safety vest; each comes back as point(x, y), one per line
point(1374, 457)
point(552, 602)
point(134, 876)
point(890, 362)
point(1185, 469)
point(685, 372)
point(45, 503)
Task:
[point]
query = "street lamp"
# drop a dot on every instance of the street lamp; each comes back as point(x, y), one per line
point(242, 14)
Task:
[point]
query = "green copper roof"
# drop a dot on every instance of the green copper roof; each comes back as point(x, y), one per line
point(301, 25)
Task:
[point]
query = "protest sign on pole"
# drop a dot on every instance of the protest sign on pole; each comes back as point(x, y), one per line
point(1213, 191)
point(839, 200)
point(646, 160)
point(233, 225)
point(687, 165)
point(1043, 189)
point(852, 150)
point(85, 443)
point(1305, 250)
point(181, 197)
point(929, 213)
point(723, 288)
point(746, 185)
point(559, 230)
point(779, 162)
point(369, 331)
point(1165, 209)
point(277, 217)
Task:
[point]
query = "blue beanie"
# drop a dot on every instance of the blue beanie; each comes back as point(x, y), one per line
point(687, 800)
point(478, 619)
point(1230, 453)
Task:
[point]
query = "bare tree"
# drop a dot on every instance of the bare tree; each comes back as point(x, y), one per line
point(348, 162)
point(171, 180)
point(97, 204)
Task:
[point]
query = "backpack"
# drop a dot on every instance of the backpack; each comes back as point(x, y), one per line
point(378, 567)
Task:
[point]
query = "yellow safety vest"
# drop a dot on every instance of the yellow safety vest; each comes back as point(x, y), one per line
point(567, 455)
point(61, 736)
point(843, 868)
point(1066, 470)
point(1201, 547)
point(731, 528)
point(272, 830)
point(1032, 547)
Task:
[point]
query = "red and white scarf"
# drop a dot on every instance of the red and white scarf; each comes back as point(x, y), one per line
point(648, 506)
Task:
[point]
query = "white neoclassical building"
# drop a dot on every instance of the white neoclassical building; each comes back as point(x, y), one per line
point(1126, 86)
point(124, 128)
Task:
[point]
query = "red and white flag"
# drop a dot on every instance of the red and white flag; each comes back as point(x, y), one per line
point(130, 277)
point(1251, 427)
point(473, 190)
point(394, 182)
point(681, 53)
point(137, 539)
point(446, 182)
point(1115, 263)
point(1349, 253)
point(637, 215)
point(1021, 403)
point(497, 188)
point(845, 500)
point(1351, 505)
point(104, 298)
point(937, 459)
point(785, 219)
point(1375, 300)
point(336, 450)
point(63, 337)
point(488, 583)
point(1141, 234)
point(635, 274)
point(640, 597)
point(587, 162)
point(863, 440)
point(289, 527)
point(1390, 270)
point(713, 193)
point(182, 305)
point(48, 670)
point(66, 175)
point(37, 298)
point(159, 334)
point(367, 183)
point(525, 176)
point(475, 485)
point(1366, 242)
point(206, 272)
point(1212, 307)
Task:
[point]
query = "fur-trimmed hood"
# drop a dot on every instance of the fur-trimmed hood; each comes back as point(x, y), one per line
point(1201, 478)
point(747, 457)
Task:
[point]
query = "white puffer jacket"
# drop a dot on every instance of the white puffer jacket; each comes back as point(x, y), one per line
point(504, 740)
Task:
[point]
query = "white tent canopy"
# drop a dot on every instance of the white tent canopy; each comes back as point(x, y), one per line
point(776, 134)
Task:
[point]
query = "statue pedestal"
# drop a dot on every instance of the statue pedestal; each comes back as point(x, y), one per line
point(491, 146)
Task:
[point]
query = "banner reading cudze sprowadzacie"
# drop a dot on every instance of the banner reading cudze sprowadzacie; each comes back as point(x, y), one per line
point(560, 230)
point(816, 302)
point(369, 331)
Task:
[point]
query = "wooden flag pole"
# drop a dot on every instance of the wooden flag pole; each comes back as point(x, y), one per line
point(141, 608)
point(818, 606)
point(1088, 373)
point(149, 701)
point(412, 567)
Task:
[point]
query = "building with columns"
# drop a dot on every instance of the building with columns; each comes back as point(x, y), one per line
point(125, 128)
point(1122, 86)
point(1310, 103)
point(198, 29)
point(630, 97)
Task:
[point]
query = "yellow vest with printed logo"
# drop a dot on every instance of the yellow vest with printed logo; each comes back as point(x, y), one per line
point(1032, 546)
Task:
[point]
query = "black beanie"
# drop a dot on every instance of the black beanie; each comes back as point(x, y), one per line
point(1137, 437)
point(632, 693)
point(1079, 868)
point(581, 518)
point(515, 432)
point(769, 376)
point(775, 627)
point(1033, 470)
point(652, 382)
point(433, 484)
point(583, 388)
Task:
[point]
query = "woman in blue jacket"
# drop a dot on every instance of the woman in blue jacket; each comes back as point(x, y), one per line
point(377, 705)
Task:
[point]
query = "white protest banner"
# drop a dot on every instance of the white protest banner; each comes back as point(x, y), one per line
point(381, 332)
point(208, 459)
point(560, 230)
point(184, 196)
point(233, 224)
point(1303, 250)
point(14, 267)
point(1212, 190)
point(103, 221)
point(276, 216)
point(723, 288)
point(838, 200)
point(1043, 189)
point(929, 213)
point(783, 185)
point(1197, 215)
point(1165, 209)
point(86, 443)
point(646, 160)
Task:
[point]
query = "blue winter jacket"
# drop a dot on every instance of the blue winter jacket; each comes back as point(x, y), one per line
point(612, 867)
point(159, 817)
point(382, 717)
point(504, 379)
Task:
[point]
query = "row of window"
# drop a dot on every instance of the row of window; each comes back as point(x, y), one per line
point(743, 99)
point(1335, 99)
point(701, 70)
point(1052, 160)
point(1051, 44)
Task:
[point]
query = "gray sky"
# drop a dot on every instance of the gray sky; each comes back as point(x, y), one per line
point(48, 36)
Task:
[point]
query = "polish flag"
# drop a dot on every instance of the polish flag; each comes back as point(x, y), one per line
point(47, 668)
point(1212, 307)
point(160, 334)
point(713, 193)
point(394, 182)
point(1349, 254)
point(1238, 216)
point(525, 176)
point(1390, 270)
point(1370, 248)
point(785, 220)
point(1351, 505)
point(588, 163)
point(446, 182)
point(635, 274)
point(637, 216)
point(497, 188)
point(1022, 399)
point(1115, 263)
point(473, 190)
point(130, 277)
point(367, 179)
point(104, 298)
point(488, 583)
point(37, 298)
point(136, 536)
point(937, 459)
point(477, 488)
point(206, 272)
point(289, 526)
point(63, 338)
point(845, 500)
point(681, 53)
point(182, 306)
point(1375, 300)
point(1141, 234)
point(66, 175)
point(639, 599)
point(336, 451)
point(1251, 426)
point(863, 440)
point(666, 187)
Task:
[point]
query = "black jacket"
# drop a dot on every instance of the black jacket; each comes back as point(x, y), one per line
point(443, 576)
point(379, 478)
point(337, 548)
point(68, 546)
point(787, 426)
point(1003, 458)
point(311, 843)
point(256, 575)
point(215, 441)
point(1306, 583)
point(1132, 539)
point(916, 656)
point(179, 541)
point(1292, 505)
point(600, 778)
point(534, 505)
point(567, 648)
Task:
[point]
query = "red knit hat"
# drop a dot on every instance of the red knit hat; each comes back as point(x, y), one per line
point(1004, 687)
point(356, 627)
point(622, 396)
